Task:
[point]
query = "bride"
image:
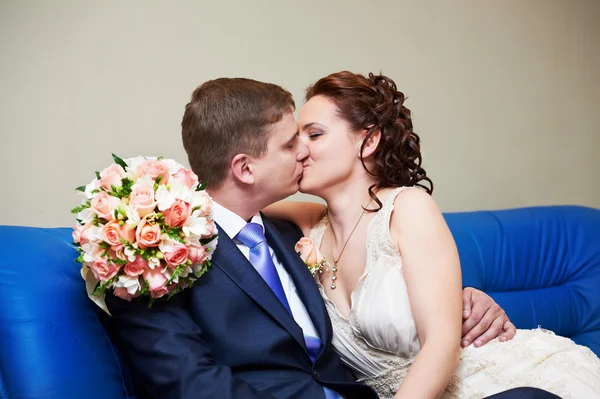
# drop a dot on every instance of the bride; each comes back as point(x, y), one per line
point(395, 303)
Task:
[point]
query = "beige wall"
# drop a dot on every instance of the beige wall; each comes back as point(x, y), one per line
point(504, 93)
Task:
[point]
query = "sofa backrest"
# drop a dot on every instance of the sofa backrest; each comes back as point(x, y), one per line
point(541, 264)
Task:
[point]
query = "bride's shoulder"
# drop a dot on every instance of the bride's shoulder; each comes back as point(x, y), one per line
point(413, 195)
point(413, 206)
point(407, 196)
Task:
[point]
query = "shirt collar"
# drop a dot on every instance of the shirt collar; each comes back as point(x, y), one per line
point(230, 222)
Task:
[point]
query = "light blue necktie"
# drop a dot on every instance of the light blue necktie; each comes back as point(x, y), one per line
point(253, 237)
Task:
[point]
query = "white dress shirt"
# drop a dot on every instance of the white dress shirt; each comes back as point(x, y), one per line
point(232, 224)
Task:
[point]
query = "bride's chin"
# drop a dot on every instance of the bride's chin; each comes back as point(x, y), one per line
point(304, 189)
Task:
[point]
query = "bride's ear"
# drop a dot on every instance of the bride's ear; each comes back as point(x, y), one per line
point(242, 168)
point(369, 142)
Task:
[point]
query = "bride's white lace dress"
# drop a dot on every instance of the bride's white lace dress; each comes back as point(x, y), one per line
point(378, 339)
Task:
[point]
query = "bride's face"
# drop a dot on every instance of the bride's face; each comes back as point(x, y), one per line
point(333, 147)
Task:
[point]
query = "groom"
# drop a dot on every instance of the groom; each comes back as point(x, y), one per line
point(254, 326)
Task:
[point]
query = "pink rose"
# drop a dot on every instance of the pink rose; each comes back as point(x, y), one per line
point(178, 256)
point(122, 293)
point(142, 199)
point(156, 282)
point(147, 233)
point(205, 204)
point(177, 215)
point(137, 267)
point(112, 232)
point(153, 168)
point(210, 226)
point(197, 254)
point(112, 176)
point(77, 229)
point(308, 252)
point(104, 205)
point(103, 270)
point(186, 177)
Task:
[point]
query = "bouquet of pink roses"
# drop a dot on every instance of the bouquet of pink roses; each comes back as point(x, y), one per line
point(144, 228)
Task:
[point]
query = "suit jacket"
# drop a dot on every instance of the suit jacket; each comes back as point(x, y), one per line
point(229, 336)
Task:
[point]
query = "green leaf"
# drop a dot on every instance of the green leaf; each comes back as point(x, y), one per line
point(205, 241)
point(98, 289)
point(97, 175)
point(205, 266)
point(80, 188)
point(80, 208)
point(120, 162)
point(125, 188)
point(176, 273)
point(175, 233)
point(201, 186)
point(145, 288)
point(129, 246)
point(102, 288)
point(151, 302)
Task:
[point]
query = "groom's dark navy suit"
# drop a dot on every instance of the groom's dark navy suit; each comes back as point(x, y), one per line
point(230, 336)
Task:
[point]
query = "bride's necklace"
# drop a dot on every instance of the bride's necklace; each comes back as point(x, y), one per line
point(334, 268)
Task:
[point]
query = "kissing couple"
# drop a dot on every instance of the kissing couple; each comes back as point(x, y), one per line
point(388, 316)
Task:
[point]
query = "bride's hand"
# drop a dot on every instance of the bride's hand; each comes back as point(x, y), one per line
point(484, 319)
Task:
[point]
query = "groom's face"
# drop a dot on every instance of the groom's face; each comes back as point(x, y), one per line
point(279, 171)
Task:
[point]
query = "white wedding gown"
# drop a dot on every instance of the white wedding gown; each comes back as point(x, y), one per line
point(378, 340)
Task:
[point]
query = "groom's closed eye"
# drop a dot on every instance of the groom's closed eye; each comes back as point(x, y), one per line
point(292, 141)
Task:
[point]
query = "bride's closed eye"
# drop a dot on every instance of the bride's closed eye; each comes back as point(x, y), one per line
point(314, 135)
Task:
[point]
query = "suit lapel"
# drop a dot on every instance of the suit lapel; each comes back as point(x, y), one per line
point(233, 263)
point(304, 281)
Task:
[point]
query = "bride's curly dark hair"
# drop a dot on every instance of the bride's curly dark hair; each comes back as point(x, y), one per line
point(373, 104)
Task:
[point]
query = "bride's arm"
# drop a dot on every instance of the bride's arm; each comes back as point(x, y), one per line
point(432, 272)
point(303, 214)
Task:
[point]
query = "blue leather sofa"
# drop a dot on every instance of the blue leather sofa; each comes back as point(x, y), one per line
point(541, 264)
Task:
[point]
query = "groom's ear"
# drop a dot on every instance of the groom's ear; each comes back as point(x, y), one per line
point(368, 142)
point(242, 168)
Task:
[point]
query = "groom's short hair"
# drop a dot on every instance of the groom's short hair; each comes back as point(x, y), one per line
point(230, 116)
